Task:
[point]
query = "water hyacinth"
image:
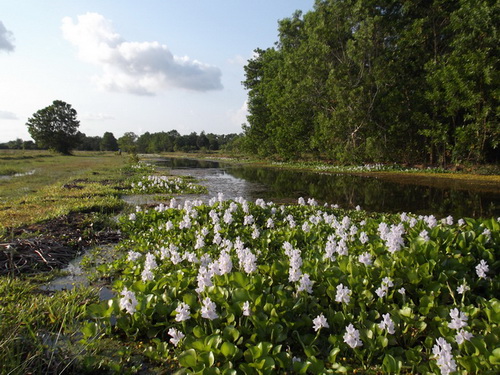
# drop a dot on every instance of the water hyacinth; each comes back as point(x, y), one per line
point(320, 322)
point(482, 268)
point(351, 337)
point(176, 335)
point(246, 309)
point(445, 360)
point(387, 324)
point(458, 319)
point(208, 309)
point(183, 312)
point(343, 294)
point(253, 277)
point(128, 302)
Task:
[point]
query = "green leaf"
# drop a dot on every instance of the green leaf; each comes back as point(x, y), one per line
point(228, 349)
point(495, 357)
point(188, 358)
point(391, 365)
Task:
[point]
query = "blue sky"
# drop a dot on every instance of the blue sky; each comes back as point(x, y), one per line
point(130, 66)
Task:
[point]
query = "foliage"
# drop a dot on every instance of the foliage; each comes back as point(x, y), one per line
point(55, 127)
point(372, 81)
point(108, 142)
point(255, 288)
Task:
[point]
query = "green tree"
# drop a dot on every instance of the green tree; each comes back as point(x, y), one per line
point(127, 142)
point(55, 127)
point(109, 142)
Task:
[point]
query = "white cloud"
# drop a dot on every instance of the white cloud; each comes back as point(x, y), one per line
point(8, 115)
point(6, 39)
point(142, 68)
point(96, 117)
point(239, 116)
point(238, 60)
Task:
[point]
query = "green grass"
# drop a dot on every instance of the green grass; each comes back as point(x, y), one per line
point(59, 185)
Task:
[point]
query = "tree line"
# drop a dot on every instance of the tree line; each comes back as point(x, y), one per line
point(381, 81)
point(55, 127)
point(170, 141)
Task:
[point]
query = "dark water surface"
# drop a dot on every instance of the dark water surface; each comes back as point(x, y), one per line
point(348, 191)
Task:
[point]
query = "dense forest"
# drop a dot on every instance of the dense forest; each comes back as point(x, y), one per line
point(380, 81)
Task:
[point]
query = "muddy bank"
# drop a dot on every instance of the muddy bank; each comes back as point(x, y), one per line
point(52, 244)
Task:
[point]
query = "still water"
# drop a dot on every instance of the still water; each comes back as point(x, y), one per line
point(348, 191)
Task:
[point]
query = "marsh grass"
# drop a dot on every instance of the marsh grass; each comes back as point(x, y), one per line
point(40, 330)
point(38, 333)
point(84, 182)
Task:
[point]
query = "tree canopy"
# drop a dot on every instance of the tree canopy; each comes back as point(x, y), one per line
point(380, 81)
point(55, 127)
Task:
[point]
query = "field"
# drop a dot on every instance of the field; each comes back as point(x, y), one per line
point(235, 287)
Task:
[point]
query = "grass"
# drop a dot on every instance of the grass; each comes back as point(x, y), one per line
point(39, 330)
point(58, 185)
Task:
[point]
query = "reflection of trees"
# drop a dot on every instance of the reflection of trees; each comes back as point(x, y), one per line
point(370, 193)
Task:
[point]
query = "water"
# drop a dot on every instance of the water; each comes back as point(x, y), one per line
point(401, 194)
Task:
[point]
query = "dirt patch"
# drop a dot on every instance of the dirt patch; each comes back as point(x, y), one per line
point(52, 244)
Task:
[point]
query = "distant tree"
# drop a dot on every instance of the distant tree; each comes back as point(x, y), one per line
point(127, 142)
point(109, 142)
point(89, 143)
point(203, 141)
point(55, 127)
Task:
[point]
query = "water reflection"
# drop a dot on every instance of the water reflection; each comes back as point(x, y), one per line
point(347, 191)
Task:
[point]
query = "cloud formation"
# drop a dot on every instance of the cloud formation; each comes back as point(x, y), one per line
point(8, 115)
point(96, 117)
point(6, 39)
point(142, 68)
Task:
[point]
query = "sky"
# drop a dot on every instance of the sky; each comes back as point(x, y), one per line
point(133, 66)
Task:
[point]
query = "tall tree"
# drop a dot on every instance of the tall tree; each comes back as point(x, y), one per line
point(55, 127)
point(109, 142)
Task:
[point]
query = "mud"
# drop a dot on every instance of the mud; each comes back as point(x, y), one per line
point(52, 244)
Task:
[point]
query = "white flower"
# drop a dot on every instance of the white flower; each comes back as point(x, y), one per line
point(305, 284)
point(128, 302)
point(208, 309)
point(482, 268)
point(459, 319)
point(442, 352)
point(343, 294)
point(320, 322)
point(424, 235)
point(132, 217)
point(182, 312)
point(366, 259)
point(387, 324)
point(149, 266)
point(225, 263)
point(394, 239)
point(402, 291)
point(382, 291)
point(248, 220)
point(246, 308)
point(270, 223)
point(461, 222)
point(461, 289)
point(363, 238)
point(462, 336)
point(306, 227)
point(177, 336)
point(301, 201)
point(351, 337)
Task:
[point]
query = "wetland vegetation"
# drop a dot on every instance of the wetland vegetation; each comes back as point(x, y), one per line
point(232, 286)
